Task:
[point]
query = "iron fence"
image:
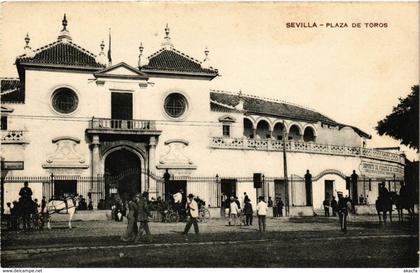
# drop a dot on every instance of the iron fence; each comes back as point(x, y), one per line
point(209, 187)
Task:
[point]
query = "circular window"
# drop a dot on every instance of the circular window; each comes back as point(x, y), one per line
point(175, 105)
point(65, 100)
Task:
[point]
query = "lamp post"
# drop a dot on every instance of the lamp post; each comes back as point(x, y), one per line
point(286, 181)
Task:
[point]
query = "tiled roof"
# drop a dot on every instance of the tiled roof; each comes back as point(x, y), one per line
point(172, 60)
point(61, 53)
point(218, 107)
point(254, 105)
point(11, 91)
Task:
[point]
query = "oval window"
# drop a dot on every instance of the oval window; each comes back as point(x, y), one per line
point(65, 100)
point(175, 105)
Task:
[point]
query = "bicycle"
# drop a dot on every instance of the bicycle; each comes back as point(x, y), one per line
point(171, 216)
point(203, 215)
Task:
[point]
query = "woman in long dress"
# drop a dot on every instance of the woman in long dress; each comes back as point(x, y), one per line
point(132, 229)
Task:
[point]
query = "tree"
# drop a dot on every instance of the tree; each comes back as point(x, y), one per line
point(403, 123)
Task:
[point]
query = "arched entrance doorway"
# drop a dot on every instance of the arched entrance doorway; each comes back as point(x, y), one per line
point(122, 174)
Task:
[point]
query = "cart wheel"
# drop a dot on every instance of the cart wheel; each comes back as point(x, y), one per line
point(173, 218)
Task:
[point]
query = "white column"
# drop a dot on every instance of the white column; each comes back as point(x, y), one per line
point(152, 167)
point(95, 169)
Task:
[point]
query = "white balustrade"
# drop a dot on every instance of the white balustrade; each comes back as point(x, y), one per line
point(299, 146)
point(12, 136)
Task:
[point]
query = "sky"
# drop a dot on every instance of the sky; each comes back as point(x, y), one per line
point(352, 75)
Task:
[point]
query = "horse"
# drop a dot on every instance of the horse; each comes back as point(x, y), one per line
point(384, 204)
point(403, 202)
point(67, 205)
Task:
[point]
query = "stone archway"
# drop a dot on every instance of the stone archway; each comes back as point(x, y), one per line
point(122, 173)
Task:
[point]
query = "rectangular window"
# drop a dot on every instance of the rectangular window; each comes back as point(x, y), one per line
point(226, 130)
point(3, 123)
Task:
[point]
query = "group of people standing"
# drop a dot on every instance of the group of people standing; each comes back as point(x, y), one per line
point(139, 211)
point(343, 207)
point(234, 212)
point(20, 213)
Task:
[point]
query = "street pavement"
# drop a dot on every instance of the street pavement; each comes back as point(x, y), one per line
point(97, 244)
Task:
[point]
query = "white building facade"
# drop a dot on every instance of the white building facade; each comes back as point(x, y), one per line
point(74, 123)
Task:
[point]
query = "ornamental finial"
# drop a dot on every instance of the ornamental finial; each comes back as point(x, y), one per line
point(142, 60)
point(64, 35)
point(64, 22)
point(101, 58)
point(167, 30)
point(27, 39)
point(28, 50)
point(141, 48)
point(206, 62)
point(167, 44)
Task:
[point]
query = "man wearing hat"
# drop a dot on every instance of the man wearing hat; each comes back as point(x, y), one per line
point(143, 215)
point(192, 210)
point(342, 211)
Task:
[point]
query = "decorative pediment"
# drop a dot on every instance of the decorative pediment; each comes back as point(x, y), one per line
point(227, 118)
point(175, 157)
point(121, 71)
point(65, 155)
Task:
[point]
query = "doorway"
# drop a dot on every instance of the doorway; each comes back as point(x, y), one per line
point(65, 187)
point(228, 187)
point(123, 174)
point(280, 189)
point(121, 110)
point(329, 190)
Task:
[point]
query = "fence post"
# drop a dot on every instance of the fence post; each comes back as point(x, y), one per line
point(51, 185)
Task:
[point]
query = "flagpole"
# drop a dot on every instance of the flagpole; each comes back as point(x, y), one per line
point(109, 49)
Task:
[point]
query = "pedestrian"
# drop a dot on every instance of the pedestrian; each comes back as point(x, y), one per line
point(326, 205)
point(8, 215)
point(342, 211)
point(227, 208)
point(192, 211)
point(26, 205)
point(248, 213)
point(15, 213)
point(270, 202)
point(143, 214)
point(233, 212)
point(334, 206)
point(43, 204)
point(280, 206)
point(261, 212)
point(132, 229)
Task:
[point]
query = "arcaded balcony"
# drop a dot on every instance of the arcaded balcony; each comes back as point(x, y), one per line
point(119, 126)
point(302, 147)
point(13, 137)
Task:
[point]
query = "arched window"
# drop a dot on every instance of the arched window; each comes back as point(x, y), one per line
point(294, 133)
point(278, 131)
point(309, 134)
point(248, 130)
point(263, 129)
point(64, 100)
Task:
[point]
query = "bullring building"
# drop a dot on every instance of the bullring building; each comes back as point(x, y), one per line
point(73, 122)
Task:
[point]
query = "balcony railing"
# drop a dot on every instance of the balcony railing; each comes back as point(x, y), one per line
point(13, 137)
point(119, 124)
point(305, 147)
